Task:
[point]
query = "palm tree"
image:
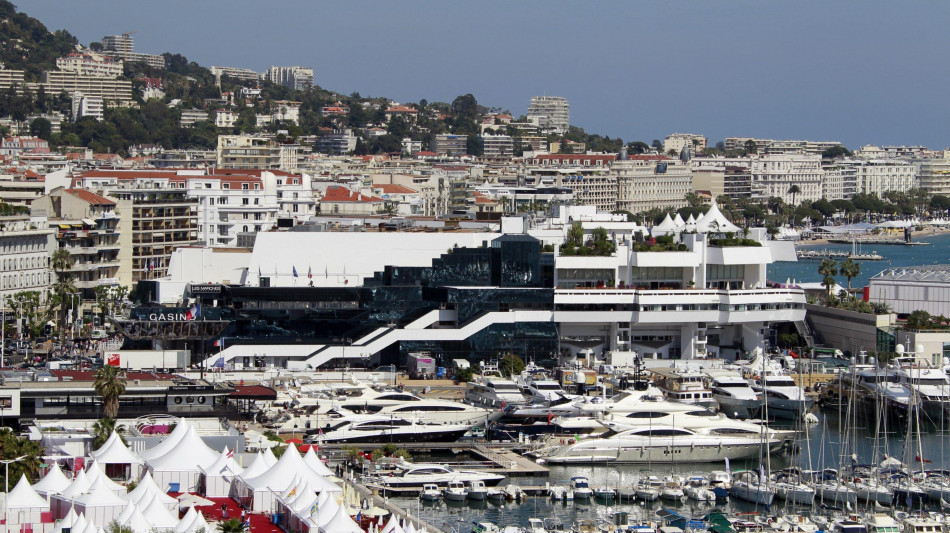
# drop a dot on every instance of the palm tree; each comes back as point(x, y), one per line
point(793, 190)
point(12, 446)
point(850, 270)
point(110, 385)
point(62, 263)
point(101, 431)
point(829, 269)
point(230, 526)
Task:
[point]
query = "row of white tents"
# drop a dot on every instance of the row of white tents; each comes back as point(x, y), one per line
point(713, 221)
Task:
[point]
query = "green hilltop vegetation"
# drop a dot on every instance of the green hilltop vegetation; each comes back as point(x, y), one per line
point(28, 45)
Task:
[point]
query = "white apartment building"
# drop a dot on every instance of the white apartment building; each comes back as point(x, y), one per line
point(877, 176)
point(774, 175)
point(935, 175)
point(123, 47)
point(694, 144)
point(286, 111)
point(589, 176)
point(26, 248)
point(232, 204)
point(87, 106)
point(839, 180)
point(243, 74)
point(552, 113)
point(498, 145)
point(252, 152)
point(410, 146)
point(297, 78)
point(224, 118)
point(190, 116)
point(90, 64)
point(449, 144)
point(645, 182)
point(780, 146)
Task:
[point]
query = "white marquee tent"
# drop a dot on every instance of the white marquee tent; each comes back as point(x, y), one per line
point(168, 443)
point(118, 460)
point(24, 505)
point(54, 482)
point(217, 477)
point(146, 489)
point(258, 493)
point(100, 504)
point(180, 465)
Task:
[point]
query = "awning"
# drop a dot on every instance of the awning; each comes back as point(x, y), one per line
point(254, 392)
point(88, 222)
point(64, 226)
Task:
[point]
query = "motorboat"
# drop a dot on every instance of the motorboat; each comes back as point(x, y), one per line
point(882, 385)
point(783, 397)
point(455, 491)
point(647, 490)
point(439, 412)
point(697, 488)
point(672, 489)
point(927, 382)
point(684, 385)
point(545, 391)
point(849, 525)
point(430, 493)
point(495, 495)
point(719, 483)
point(477, 490)
point(580, 486)
point(735, 396)
point(606, 494)
point(408, 475)
point(883, 523)
point(493, 393)
point(385, 429)
point(746, 485)
point(923, 524)
point(789, 486)
point(664, 444)
point(621, 404)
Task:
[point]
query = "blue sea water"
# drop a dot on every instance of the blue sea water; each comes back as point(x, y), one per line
point(936, 252)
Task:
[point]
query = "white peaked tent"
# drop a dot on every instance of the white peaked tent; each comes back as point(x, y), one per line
point(158, 516)
point(95, 472)
point(66, 522)
point(54, 482)
point(117, 458)
point(310, 459)
point(269, 458)
point(168, 443)
point(678, 221)
point(258, 493)
point(80, 523)
point(91, 528)
point(690, 223)
point(392, 526)
point(61, 503)
point(184, 524)
point(147, 489)
point(126, 513)
point(136, 522)
point(25, 505)
point(304, 501)
point(327, 508)
point(257, 466)
point(410, 528)
point(715, 222)
point(181, 464)
point(664, 228)
point(290, 493)
point(100, 504)
point(341, 523)
point(217, 477)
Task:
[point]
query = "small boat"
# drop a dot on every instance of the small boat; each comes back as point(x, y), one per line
point(647, 491)
point(455, 492)
point(719, 483)
point(430, 493)
point(605, 494)
point(747, 486)
point(626, 495)
point(477, 490)
point(513, 493)
point(672, 489)
point(496, 495)
point(697, 488)
point(557, 493)
point(580, 486)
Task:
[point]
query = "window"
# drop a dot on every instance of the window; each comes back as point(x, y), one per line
point(227, 186)
point(257, 201)
point(244, 201)
point(245, 187)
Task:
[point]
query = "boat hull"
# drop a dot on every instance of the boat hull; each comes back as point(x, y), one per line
point(661, 454)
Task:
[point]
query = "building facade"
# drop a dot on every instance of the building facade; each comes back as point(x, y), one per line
point(675, 143)
point(645, 182)
point(90, 64)
point(935, 175)
point(773, 175)
point(550, 113)
point(297, 78)
point(26, 248)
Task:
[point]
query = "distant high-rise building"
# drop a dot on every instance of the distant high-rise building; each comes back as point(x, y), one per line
point(297, 78)
point(123, 47)
point(550, 113)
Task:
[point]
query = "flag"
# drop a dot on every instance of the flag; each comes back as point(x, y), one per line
point(230, 454)
point(309, 272)
point(359, 516)
point(728, 470)
point(295, 271)
point(151, 266)
point(218, 343)
point(219, 363)
point(314, 507)
point(550, 416)
point(193, 312)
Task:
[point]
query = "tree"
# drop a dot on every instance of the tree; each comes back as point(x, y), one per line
point(13, 446)
point(511, 365)
point(794, 190)
point(750, 147)
point(110, 385)
point(465, 106)
point(475, 145)
point(230, 526)
point(62, 263)
point(101, 431)
point(850, 269)
point(835, 152)
point(42, 128)
point(829, 269)
point(919, 319)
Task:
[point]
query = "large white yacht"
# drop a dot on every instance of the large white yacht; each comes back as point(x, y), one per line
point(493, 393)
point(783, 397)
point(735, 396)
point(665, 444)
point(927, 382)
point(544, 391)
point(419, 474)
point(684, 385)
point(385, 429)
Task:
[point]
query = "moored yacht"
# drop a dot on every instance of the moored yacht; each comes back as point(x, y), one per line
point(409, 475)
point(664, 444)
point(783, 397)
point(927, 382)
point(682, 385)
point(493, 393)
point(376, 428)
point(735, 396)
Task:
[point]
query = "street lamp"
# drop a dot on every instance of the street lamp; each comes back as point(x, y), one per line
point(6, 481)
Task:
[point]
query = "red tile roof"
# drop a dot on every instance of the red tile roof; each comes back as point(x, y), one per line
point(572, 157)
point(401, 109)
point(392, 188)
point(342, 194)
point(90, 197)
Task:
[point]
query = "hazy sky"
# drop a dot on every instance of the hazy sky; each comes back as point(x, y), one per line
point(861, 71)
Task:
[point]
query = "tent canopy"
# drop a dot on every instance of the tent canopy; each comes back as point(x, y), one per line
point(114, 451)
point(189, 453)
point(22, 496)
point(168, 443)
point(54, 482)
